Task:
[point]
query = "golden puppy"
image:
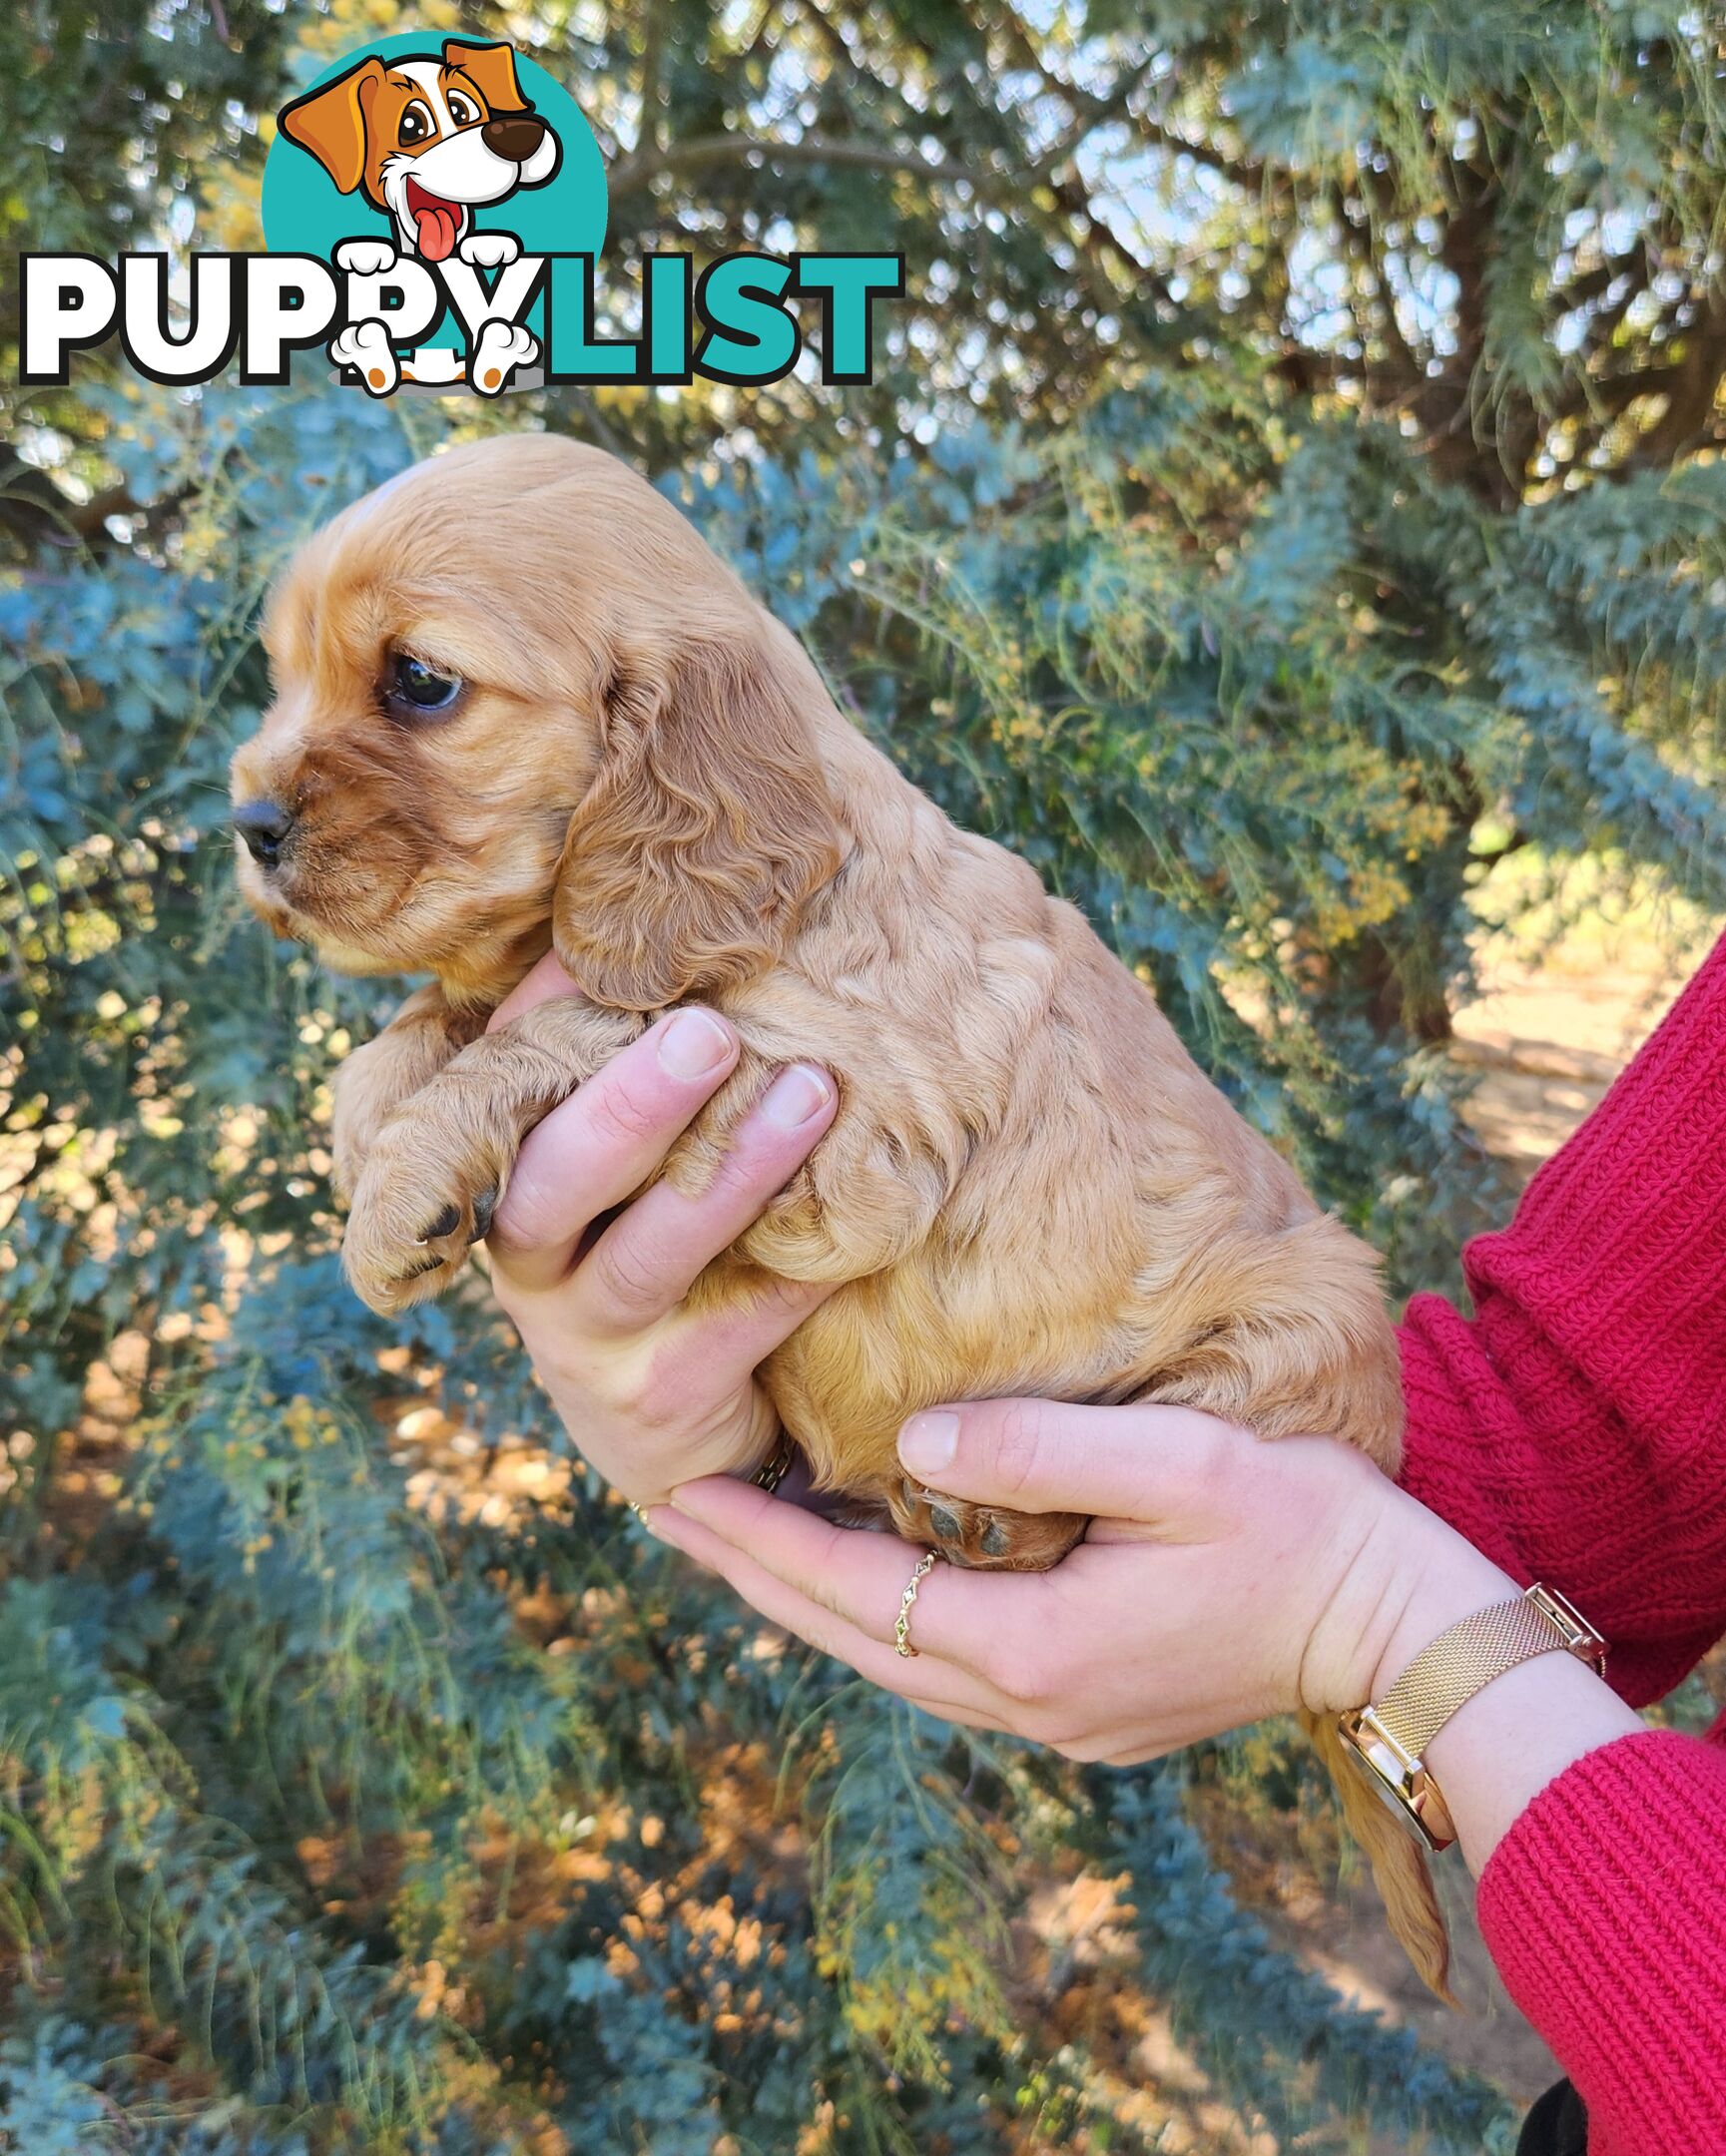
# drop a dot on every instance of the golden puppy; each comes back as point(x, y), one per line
point(520, 705)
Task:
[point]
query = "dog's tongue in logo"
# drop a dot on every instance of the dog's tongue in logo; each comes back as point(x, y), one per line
point(438, 223)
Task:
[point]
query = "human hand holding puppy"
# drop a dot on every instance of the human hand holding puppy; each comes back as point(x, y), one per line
point(653, 1391)
point(1221, 1580)
point(1280, 1577)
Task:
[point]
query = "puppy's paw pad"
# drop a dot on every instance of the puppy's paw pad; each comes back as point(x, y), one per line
point(489, 249)
point(984, 1539)
point(461, 1223)
point(502, 347)
point(365, 257)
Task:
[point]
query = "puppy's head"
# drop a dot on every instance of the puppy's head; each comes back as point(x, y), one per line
point(427, 138)
point(517, 701)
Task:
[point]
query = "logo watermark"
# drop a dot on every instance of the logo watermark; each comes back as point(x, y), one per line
point(434, 210)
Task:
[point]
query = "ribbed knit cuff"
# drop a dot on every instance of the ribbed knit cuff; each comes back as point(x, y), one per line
point(1605, 1907)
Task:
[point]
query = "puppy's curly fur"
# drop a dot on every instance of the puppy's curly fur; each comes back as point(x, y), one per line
point(1029, 1188)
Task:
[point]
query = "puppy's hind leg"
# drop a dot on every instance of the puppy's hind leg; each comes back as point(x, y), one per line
point(436, 1169)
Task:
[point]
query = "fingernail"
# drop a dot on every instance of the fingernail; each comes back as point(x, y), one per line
point(928, 1441)
point(693, 1044)
point(795, 1096)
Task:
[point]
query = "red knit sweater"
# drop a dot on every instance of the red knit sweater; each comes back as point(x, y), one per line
point(1575, 1431)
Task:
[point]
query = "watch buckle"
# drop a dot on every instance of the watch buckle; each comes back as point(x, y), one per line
point(1580, 1637)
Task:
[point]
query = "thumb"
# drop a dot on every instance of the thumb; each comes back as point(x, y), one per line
point(1166, 1466)
point(545, 980)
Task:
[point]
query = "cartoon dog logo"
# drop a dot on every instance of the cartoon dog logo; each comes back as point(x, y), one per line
point(427, 138)
point(428, 141)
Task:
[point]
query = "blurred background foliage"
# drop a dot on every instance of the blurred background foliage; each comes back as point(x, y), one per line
point(1289, 488)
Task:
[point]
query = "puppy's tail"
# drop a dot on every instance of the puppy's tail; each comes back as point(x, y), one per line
point(1400, 1868)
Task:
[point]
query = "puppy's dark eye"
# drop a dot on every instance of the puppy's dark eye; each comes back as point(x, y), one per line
point(460, 111)
point(410, 686)
point(414, 126)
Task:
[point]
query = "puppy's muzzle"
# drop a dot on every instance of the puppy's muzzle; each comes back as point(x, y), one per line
point(516, 137)
point(263, 827)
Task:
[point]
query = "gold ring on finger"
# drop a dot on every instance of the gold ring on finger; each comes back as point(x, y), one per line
point(907, 1602)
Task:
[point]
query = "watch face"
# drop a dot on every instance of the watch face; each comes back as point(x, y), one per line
point(1382, 1770)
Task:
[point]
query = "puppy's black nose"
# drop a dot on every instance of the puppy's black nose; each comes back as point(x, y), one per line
point(264, 827)
point(516, 137)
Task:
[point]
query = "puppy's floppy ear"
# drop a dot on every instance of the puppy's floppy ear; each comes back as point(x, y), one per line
point(491, 70)
point(707, 828)
point(331, 121)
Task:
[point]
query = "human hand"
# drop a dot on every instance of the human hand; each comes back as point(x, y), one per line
point(650, 1393)
point(1225, 1578)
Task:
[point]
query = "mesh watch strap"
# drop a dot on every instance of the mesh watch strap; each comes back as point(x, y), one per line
point(1447, 1675)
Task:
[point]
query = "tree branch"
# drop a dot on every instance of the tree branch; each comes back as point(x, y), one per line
point(700, 153)
point(1095, 113)
point(1093, 108)
point(38, 513)
point(649, 125)
point(1246, 172)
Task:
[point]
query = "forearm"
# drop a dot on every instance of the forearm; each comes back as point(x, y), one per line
point(1598, 1846)
point(1518, 1733)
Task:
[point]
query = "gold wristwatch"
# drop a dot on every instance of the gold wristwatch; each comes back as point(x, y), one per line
point(1387, 1740)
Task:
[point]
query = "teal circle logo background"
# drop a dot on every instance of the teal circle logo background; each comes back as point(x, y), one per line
point(305, 212)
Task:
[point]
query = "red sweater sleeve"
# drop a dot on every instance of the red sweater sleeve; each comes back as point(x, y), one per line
point(1605, 1907)
point(1576, 1429)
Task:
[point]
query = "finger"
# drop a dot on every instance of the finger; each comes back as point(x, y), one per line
point(1135, 1755)
point(547, 980)
point(644, 1262)
point(923, 1678)
point(698, 1352)
point(1168, 1467)
point(860, 1577)
point(745, 1335)
point(603, 1142)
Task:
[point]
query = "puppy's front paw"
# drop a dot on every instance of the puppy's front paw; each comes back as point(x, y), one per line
point(502, 347)
point(423, 1200)
point(986, 1538)
point(489, 249)
point(365, 257)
